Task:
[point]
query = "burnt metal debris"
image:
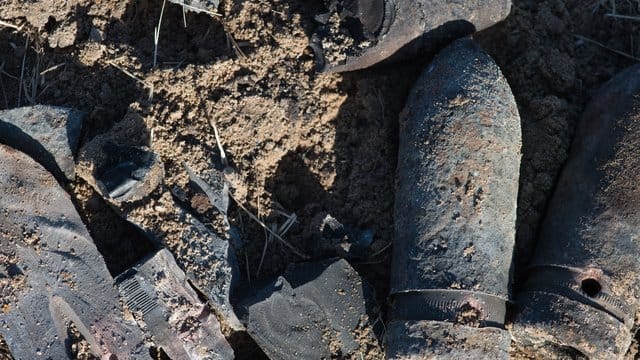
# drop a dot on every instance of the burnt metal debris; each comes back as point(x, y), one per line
point(382, 29)
point(165, 306)
point(583, 287)
point(49, 134)
point(121, 167)
point(311, 312)
point(54, 285)
point(455, 211)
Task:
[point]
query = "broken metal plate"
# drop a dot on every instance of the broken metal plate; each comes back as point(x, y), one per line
point(158, 293)
point(49, 134)
point(316, 310)
point(56, 291)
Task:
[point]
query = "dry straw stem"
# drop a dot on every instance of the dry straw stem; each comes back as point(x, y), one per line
point(129, 74)
point(156, 35)
point(621, 53)
point(273, 233)
point(223, 155)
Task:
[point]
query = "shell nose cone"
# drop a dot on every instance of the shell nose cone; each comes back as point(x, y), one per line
point(401, 29)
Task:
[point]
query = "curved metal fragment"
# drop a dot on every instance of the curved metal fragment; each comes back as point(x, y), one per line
point(54, 285)
point(49, 134)
point(455, 208)
point(315, 311)
point(158, 293)
point(583, 287)
point(400, 24)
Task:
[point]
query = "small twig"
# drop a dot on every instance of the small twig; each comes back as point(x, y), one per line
point(223, 155)
point(278, 237)
point(234, 44)
point(621, 53)
point(380, 251)
point(156, 35)
point(54, 67)
point(6, 24)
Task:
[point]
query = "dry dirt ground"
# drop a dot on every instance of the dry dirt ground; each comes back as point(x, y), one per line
point(300, 141)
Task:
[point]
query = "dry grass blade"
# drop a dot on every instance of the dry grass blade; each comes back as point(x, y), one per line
point(264, 226)
point(52, 68)
point(624, 17)
point(156, 34)
point(223, 155)
point(621, 53)
point(129, 74)
point(264, 249)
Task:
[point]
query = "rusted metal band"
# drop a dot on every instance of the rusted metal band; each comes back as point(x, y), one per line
point(568, 282)
point(448, 305)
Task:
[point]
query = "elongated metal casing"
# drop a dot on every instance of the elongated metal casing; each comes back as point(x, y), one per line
point(455, 212)
point(584, 278)
point(53, 280)
point(423, 24)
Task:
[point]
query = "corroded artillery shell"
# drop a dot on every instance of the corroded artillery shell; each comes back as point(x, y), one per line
point(583, 286)
point(399, 24)
point(54, 285)
point(455, 211)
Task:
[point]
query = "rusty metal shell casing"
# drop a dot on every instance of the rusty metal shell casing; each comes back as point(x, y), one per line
point(408, 26)
point(455, 212)
point(583, 286)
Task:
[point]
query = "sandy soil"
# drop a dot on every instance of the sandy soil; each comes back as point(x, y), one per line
point(299, 141)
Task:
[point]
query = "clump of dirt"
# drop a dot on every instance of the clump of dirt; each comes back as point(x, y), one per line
point(79, 347)
point(339, 36)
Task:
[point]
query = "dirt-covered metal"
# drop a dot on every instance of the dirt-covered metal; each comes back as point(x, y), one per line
point(314, 311)
point(583, 286)
point(455, 212)
point(49, 134)
point(55, 289)
point(380, 29)
point(170, 311)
